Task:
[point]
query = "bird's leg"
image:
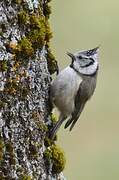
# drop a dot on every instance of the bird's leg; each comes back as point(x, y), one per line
point(56, 127)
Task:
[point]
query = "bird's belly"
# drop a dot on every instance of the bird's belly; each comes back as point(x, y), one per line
point(66, 93)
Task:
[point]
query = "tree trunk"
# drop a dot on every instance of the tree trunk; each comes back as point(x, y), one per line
point(26, 63)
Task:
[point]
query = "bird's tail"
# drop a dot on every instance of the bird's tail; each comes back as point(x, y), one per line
point(75, 115)
point(71, 122)
point(56, 127)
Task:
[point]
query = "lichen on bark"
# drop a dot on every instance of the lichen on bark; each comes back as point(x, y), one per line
point(26, 65)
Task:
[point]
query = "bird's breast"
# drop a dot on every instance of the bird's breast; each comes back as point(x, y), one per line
point(64, 88)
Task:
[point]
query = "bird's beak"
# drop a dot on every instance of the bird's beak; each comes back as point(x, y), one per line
point(70, 55)
point(95, 50)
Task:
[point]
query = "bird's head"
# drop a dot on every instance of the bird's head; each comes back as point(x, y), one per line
point(85, 62)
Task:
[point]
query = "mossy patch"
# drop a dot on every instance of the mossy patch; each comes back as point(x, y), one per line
point(40, 124)
point(42, 127)
point(17, 1)
point(3, 65)
point(23, 18)
point(26, 177)
point(55, 155)
point(52, 63)
point(37, 38)
point(47, 10)
point(2, 104)
point(53, 118)
point(14, 87)
point(48, 142)
point(1, 33)
point(33, 150)
point(36, 22)
point(37, 34)
point(10, 151)
point(1, 148)
point(24, 48)
point(39, 30)
point(10, 87)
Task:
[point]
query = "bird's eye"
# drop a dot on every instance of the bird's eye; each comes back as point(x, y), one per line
point(80, 57)
point(91, 59)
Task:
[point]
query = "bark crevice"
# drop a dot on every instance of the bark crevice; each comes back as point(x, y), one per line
point(24, 89)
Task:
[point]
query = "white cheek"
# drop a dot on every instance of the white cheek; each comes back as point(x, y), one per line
point(86, 70)
point(96, 56)
point(90, 69)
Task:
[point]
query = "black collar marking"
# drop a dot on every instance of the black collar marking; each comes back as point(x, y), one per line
point(90, 63)
point(93, 74)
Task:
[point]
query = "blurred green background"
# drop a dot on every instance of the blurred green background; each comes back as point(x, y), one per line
point(92, 148)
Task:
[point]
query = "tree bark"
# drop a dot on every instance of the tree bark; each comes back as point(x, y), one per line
point(26, 65)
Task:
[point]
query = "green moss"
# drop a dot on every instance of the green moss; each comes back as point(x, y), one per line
point(13, 87)
point(24, 91)
point(1, 148)
point(10, 87)
point(2, 104)
point(52, 63)
point(41, 126)
point(47, 10)
point(38, 145)
point(48, 142)
point(3, 27)
point(48, 154)
point(48, 34)
point(10, 150)
point(37, 38)
point(23, 18)
point(55, 155)
point(26, 177)
point(3, 65)
point(1, 33)
point(23, 174)
point(37, 34)
point(36, 22)
point(17, 1)
point(24, 48)
point(33, 150)
point(58, 159)
point(53, 118)
point(40, 31)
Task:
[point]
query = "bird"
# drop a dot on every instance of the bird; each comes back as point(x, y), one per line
point(73, 87)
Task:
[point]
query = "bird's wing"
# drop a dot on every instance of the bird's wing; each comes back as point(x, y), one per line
point(74, 120)
point(80, 101)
